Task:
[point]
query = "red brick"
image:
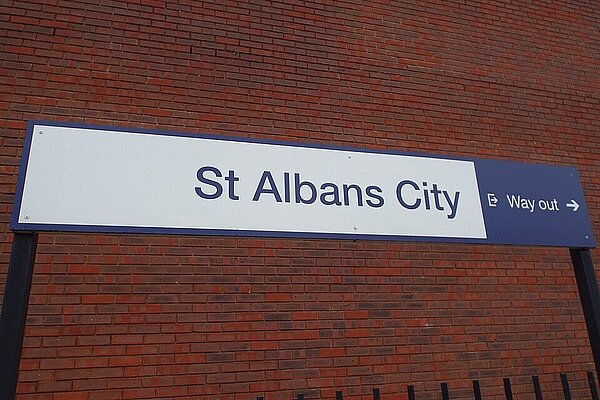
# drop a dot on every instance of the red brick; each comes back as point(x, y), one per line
point(70, 395)
point(506, 80)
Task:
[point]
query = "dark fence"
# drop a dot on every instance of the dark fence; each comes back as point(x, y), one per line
point(537, 389)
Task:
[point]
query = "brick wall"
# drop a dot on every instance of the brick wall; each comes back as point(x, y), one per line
point(135, 317)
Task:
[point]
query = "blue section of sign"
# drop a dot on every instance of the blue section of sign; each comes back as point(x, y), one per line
point(530, 204)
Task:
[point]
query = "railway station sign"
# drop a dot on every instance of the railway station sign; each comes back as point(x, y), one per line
point(100, 179)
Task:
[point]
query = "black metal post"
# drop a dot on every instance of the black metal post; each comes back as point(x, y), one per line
point(565, 385)
point(376, 394)
point(537, 388)
point(339, 395)
point(590, 298)
point(507, 389)
point(590, 376)
point(477, 390)
point(14, 310)
point(411, 392)
point(445, 393)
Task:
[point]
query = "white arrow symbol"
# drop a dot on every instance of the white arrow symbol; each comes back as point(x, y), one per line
point(492, 200)
point(573, 204)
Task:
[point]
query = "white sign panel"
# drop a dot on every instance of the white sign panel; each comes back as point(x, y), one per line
point(106, 180)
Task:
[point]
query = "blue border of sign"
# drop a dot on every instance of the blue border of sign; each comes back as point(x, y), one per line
point(589, 242)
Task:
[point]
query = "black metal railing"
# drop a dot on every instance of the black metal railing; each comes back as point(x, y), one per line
point(537, 389)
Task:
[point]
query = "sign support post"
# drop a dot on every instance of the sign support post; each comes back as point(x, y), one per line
point(14, 310)
point(590, 298)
